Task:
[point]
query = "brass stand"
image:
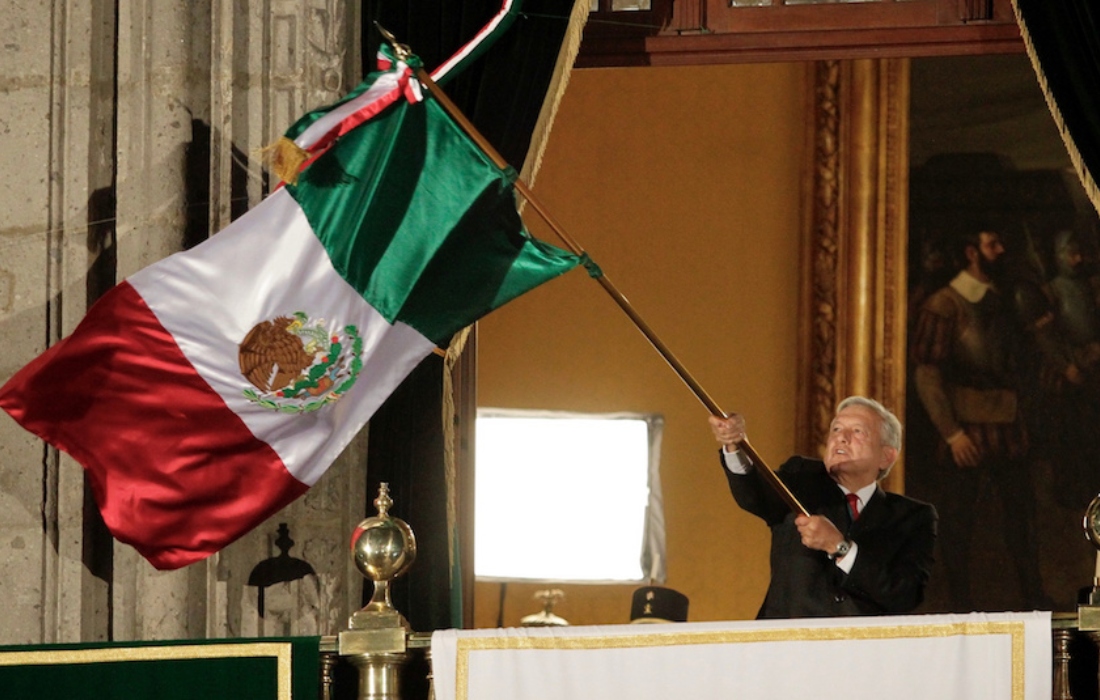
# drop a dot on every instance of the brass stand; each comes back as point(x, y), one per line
point(376, 641)
point(328, 666)
point(379, 675)
point(1062, 628)
point(1088, 618)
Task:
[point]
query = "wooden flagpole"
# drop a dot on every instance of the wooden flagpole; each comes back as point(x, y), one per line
point(700, 393)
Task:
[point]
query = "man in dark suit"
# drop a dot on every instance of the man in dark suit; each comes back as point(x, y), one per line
point(870, 557)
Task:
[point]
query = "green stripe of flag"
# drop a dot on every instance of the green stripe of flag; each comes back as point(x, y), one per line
point(419, 220)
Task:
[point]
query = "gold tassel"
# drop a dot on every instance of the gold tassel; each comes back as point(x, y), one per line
point(451, 358)
point(285, 158)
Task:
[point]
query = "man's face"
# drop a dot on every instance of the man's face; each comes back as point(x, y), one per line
point(1070, 260)
point(854, 453)
point(990, 250)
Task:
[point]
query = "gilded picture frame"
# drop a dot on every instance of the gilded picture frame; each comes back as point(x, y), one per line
point(854, 254)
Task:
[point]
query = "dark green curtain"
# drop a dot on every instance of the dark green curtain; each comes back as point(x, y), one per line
point(501, 93)
point(1063, 40)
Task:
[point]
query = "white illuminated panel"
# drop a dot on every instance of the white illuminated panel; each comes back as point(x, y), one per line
point(561, 498)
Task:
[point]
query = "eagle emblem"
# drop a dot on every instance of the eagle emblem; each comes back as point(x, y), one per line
point(297, 364)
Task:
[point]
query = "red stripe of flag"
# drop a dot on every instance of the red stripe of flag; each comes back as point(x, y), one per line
point(170, 464)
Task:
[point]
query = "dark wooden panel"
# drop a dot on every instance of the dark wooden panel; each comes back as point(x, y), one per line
point(694, 32)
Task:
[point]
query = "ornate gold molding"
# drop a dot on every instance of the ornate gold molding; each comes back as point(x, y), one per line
point(817, 346)
point(854, 264)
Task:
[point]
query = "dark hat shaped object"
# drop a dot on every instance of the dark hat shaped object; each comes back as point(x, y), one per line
point(658, 604)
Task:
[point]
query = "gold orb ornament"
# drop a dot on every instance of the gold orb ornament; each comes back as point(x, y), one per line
point(1092, 522)
point(383, 548)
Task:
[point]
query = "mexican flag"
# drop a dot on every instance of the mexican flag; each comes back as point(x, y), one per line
point(209, 390)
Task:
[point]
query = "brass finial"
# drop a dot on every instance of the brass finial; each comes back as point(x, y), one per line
point(400, 51)
point(546, 617)
point(383, 547)
point(383, 502)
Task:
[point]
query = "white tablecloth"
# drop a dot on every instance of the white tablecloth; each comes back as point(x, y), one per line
point(965, 657)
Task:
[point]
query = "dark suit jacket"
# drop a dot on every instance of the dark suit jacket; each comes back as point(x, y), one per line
point(895, 535)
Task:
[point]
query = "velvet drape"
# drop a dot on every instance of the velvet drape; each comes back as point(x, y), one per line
point(1063, 41)
point(502, 94)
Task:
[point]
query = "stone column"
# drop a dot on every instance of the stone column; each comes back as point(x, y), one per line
point(56, 117)
point(163, 98)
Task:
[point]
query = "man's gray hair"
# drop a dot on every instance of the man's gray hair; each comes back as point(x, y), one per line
point(891, 426)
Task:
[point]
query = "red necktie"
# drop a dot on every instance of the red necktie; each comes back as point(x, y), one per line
point(853, 506)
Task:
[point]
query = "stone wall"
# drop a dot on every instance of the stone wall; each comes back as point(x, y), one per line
point(129, 131)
